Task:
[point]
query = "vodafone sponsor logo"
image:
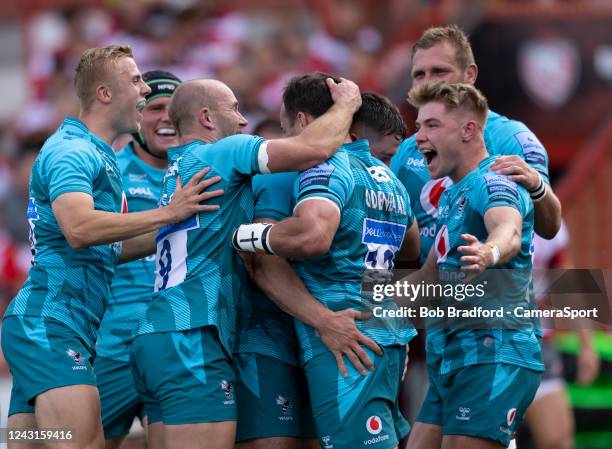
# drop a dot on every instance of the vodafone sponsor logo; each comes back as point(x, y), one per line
point(431, 193)
point(124, 203)
point(374, 425)
point(442, 244)
point(510, 416)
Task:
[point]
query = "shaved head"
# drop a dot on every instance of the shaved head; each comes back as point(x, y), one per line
point(191, 97)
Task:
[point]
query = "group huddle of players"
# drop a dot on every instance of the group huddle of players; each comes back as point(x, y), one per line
point(238, 317)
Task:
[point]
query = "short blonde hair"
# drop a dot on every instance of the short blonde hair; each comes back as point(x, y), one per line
point(93, 68)
point(453, 96)
point(451, 34)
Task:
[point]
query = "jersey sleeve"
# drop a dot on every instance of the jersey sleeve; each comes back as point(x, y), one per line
point(497, 190)
point(239, 153)
point(516, 138)
point(272, 195)
point(72, 170)
point(330, 180)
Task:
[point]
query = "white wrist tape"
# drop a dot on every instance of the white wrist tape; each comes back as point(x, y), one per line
point(252, 237)
point(495, 252)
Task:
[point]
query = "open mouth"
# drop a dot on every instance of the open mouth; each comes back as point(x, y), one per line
point(166, 132)
point(429, 155)
point(140, 106)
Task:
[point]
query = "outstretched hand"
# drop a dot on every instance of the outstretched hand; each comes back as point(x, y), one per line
point(186, 199)
point(341, 336)
point(478, 256)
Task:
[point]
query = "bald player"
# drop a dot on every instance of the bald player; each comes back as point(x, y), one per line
point(184, 345)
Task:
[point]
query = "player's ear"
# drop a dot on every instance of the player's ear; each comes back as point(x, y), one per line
point(471, 73)
point(303, 120)
point(205, 118)
point(103, 93)
point(469, 131)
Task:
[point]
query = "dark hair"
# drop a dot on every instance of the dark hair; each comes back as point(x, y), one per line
point(380, 115)
point(309, 94)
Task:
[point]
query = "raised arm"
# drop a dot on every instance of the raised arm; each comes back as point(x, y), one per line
point(308, 233)
point(319, 140)
point(504, 226)
point(84, 226)
point(547, 207)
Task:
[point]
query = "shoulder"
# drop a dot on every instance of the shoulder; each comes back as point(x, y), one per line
point(510, 136)
point(239, 140)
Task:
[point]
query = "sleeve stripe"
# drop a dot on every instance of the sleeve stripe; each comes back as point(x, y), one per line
point(262, 158)
point(320, 198)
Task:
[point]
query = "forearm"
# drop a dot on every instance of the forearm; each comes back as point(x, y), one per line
point(547, 214)
point(295, 238)
point(138, 247)
point(98, 227)
point(507, 239)
point(277, 279)
point(317, 142)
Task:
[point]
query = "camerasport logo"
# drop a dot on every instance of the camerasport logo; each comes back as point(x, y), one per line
point(431, 193)
point(374, 425)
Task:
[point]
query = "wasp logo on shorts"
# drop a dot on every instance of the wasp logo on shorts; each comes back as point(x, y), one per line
point(228, 390)
point(285, 404)
point(325, 442)
point(374, 425)
point(79, 363)
point(463, 414)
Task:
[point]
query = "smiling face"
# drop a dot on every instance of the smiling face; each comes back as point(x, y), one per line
point(439, 63)
point(157, 130)
point(128, 91)
point(439, 138)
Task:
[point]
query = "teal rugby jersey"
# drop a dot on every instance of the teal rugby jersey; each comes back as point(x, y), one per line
point(70, 285)
point(267, 330)
point(502, 137)
point(462, 209)
point(375, 214)
point(200, 280)
point(132, 285)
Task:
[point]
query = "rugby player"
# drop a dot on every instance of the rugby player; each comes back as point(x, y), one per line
point(269, 373)
point(76, 228)
point(380, 123)
point(351, 215)
point(444, 53)
point(184, 345)
point(481, 380)
point(142, 163)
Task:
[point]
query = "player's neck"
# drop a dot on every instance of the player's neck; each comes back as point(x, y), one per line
point(187, 138)
point(99, 125)
point(469, 162)
point(148, 158)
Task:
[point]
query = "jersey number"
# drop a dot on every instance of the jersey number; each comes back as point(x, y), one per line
point(172, 253)
point(383, 239)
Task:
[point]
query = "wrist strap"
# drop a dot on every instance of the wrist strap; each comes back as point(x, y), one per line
point(252, 237)
point(495, 251)
point(539, 192)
